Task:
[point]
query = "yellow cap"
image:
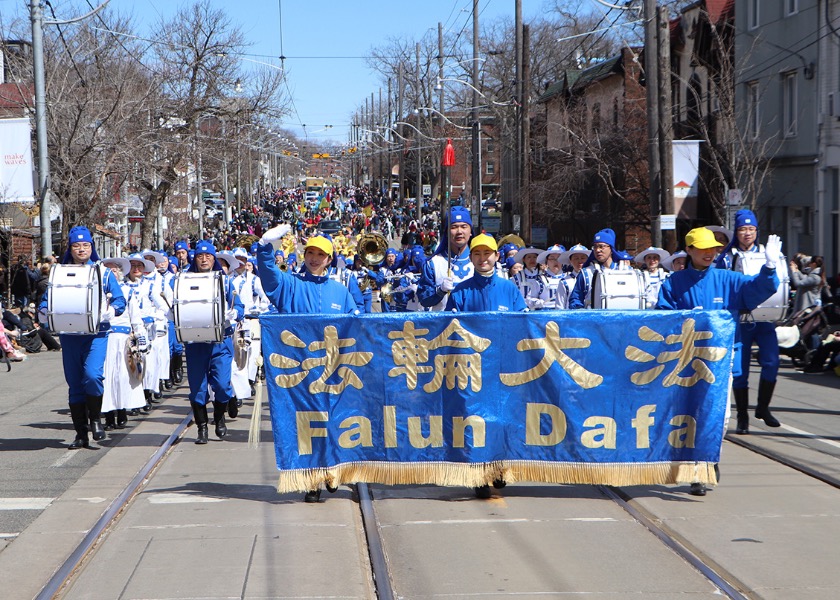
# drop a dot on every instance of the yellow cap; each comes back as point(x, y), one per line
point(320, 242)
point(701, 238)
point(484, 240)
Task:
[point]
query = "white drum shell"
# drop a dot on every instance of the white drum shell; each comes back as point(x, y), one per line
point(199, 308)
point(618, 290)
point(74, 299)
point(775, 308)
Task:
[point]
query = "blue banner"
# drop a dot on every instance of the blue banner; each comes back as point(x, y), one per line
point(600, 397)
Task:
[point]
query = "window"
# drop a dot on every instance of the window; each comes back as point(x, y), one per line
point(789, 104)
point(791, 7)
point(490, 147)
point(752, 14)
point(491, 168)
point(752, 110)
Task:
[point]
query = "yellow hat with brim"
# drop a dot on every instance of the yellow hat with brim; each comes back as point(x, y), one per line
point(320, 242)
point(484, 240)
point(702, 238)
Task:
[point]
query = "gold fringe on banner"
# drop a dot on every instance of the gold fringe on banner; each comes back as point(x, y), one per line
point(256, 418)
point(474, 475)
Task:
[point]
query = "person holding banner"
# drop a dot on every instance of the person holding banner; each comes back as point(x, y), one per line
point(763, 334)
point(702, 286)
point(311, 291)
point(450, 264)
point(485, 291)
point(83, 355)
point(604, 256)
point(208, 363)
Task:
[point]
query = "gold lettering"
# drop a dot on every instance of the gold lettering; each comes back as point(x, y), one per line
point(476, 425)
point(602, 436)
point(358, 434)
point(415, 432)
point(305, 431)
point(642, 424)
point(389, 420)
point(684, 436)
point(533, 437)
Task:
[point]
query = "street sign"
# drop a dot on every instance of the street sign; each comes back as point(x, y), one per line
point(427, 189)
point(667, 222)
point(491, 224)
point(735, 197)
point(539, 235)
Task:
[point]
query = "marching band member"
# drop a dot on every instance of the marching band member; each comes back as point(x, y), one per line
point(451, 262)
point(83, 356)
point(140, 288)
point(339, 272)
point(653, 274)
point(604, 256)
point(122, 391)
point(573, 260)
point(530, 281)
point(485, 291)
point(162, 286)
point(554, 276)
point(176, 348)
point(701, 285)
point(309, 292)
point(208, 363)
point(676, 262)
point(182, 250)
point(762, 334)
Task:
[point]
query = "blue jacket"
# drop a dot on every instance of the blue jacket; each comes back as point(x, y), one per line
point(436, 269)
point(716, 289)
point(479, 293)
point(301, 293)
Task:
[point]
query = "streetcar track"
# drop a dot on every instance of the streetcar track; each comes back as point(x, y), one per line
point(716, 574)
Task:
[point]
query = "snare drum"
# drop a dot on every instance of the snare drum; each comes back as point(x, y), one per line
point(618, 290)
point(74, 299)
point(199, 307)
point(776, 306)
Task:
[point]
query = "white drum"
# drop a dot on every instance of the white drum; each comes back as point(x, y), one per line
point(74, 299)
point(776, 306)
point(618, 290)
point(199, 308)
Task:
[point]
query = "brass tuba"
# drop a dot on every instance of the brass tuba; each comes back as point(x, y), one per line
point(372, 248)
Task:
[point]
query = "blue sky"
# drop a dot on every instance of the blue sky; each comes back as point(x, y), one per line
point(326, 91)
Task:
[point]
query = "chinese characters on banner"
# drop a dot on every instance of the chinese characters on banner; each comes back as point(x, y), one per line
point(602, 397)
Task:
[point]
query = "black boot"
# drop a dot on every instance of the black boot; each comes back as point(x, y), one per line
point(110, 420)
point(156, 396)
point(233, 408)
point(762, 408)
point(742, 406)
point(94, 407)
point(167, 384)
point(178, 366)
point(148, 395)
point(312, 496)
point(122, 418)
point(219, 418)
point(78, 412)
point(200, 417)
point(482, 492)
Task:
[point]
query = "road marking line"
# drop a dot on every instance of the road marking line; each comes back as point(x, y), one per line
point(810, 435)
point(181, 499)
point(25, 503)
point(491, 521)
point(8, 536)
point(60, 462)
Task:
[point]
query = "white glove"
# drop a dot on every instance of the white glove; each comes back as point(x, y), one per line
point(773, 251)
point(107, 315)
point(142, 343)
point(447, 284)
point(534, 303)
point(275, 234)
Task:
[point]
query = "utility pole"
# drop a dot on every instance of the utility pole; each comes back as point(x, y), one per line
point(419, 197)
point(652, 97)
point(525, 176)
point(401, 132)
point(518, 118)
point(37, 17)
point(381, 154)
point(475, 208)
point(388, 122)
point(666, 127)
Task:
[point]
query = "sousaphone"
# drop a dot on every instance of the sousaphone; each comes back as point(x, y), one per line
point(511, 238)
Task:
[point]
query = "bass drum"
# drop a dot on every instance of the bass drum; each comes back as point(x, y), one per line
point(199, 307)
point(74, 299)
point(618, 290)
point(775, 308)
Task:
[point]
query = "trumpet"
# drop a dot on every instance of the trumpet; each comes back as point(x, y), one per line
point(284, 267)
